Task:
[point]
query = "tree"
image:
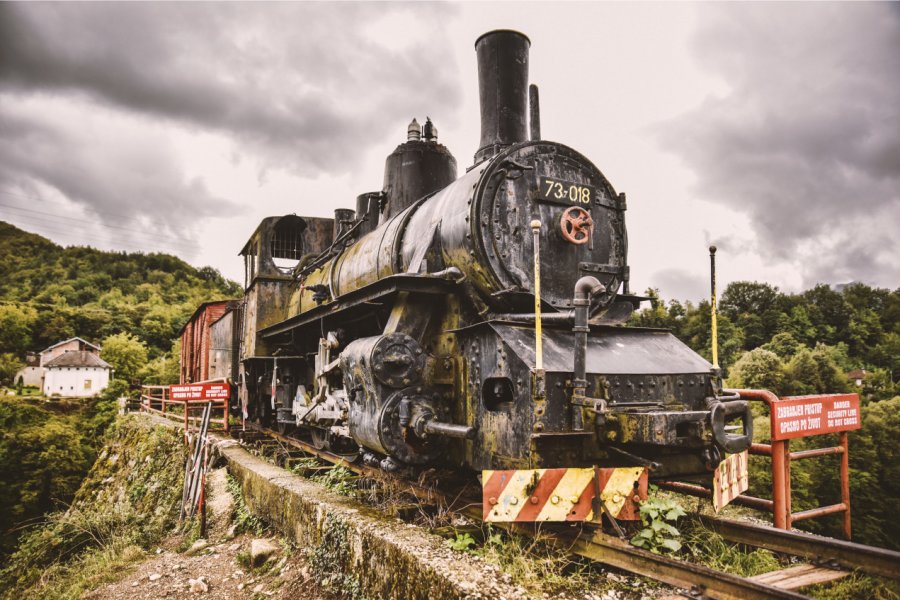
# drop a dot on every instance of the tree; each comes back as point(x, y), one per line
point(163, 370)
point(126, 353)
point(815, 372)
point(9, 366)
point(758, 369)
point(784, 345)
point(16, 323)
point(748, 297)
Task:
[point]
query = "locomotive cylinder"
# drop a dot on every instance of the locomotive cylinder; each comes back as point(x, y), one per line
point(503, 90)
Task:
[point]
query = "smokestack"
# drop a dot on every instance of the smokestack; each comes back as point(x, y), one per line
point(503, 89)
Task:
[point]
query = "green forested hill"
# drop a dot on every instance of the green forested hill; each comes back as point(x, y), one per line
point(49, 293)
point(793, 343)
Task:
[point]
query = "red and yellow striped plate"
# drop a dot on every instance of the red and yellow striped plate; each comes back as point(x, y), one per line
point(561, 494)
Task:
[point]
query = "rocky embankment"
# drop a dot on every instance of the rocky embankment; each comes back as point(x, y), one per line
point(120, 537)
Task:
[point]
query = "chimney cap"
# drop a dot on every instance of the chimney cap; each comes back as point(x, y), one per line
point(494, 31)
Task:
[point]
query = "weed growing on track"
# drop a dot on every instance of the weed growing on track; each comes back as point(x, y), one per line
point(340, 480)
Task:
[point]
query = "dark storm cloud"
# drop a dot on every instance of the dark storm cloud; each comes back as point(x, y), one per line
point(806, 140)
point(121, 178)
point(92, 95)
point(302, 83)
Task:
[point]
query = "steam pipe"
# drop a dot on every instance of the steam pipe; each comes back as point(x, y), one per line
point(503, 90)
point(560, 317)
point(585, 288)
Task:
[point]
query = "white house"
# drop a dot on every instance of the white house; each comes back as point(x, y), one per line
point(77, 373)
point(34, 371)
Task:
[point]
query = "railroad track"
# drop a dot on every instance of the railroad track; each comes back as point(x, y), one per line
point(590, 542)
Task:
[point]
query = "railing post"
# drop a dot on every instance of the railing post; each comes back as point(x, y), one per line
point(778, 487)
point(845, 481)
point(788, 521)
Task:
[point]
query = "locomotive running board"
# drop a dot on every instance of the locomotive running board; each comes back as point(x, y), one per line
point(530, 495)
point(378, 290)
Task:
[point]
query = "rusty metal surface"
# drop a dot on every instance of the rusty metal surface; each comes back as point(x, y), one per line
point(611, 351)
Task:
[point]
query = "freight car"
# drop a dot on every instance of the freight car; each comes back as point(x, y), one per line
point(475, 321)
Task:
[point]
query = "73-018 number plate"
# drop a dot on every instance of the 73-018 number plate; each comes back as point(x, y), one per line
point(568, 193)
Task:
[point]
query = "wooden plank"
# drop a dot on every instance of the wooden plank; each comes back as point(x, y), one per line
point(799, 576)
point(775, 577)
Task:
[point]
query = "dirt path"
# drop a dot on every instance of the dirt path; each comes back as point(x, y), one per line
point(217, 570)
point(170, 575)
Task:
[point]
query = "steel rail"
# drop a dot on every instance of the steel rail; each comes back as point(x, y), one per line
point(871, 559)
point(588, 543)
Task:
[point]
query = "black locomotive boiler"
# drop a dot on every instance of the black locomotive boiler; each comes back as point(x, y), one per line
point(407, 331)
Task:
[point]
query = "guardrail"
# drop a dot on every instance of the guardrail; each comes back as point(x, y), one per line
point(793, 417)
point(181, 402)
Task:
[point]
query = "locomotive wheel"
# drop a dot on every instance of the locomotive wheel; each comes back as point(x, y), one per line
point(285, 428)
point(319, 438)
point(345, 448)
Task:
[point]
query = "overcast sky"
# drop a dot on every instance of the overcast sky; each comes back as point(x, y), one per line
point(772, 130)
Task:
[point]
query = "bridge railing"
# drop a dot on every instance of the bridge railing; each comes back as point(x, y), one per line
point(185, 402)
point(794, 417)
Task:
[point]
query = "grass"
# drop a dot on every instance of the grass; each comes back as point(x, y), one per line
point(538, 566)
point(712, 550)
point(243, 519)
point(857, 586)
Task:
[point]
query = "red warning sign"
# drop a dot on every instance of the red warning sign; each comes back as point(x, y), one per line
point(801, 416)
point(200, 391)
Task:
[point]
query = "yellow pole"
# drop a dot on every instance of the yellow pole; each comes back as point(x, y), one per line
point(715, 326)
point(538, 349)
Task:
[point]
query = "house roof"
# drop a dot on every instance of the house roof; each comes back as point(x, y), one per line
point(857, 374)
point(70, 340)
point(80, 358)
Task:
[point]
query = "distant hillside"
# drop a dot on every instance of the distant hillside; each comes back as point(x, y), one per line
point(49, 293)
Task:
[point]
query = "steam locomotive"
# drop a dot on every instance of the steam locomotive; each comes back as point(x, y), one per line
point(475, 321)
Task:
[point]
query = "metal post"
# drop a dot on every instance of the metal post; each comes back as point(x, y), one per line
point(778, 514)
point(788, 510)
point(538, 349)
point(845, 481)
point(715, 326)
